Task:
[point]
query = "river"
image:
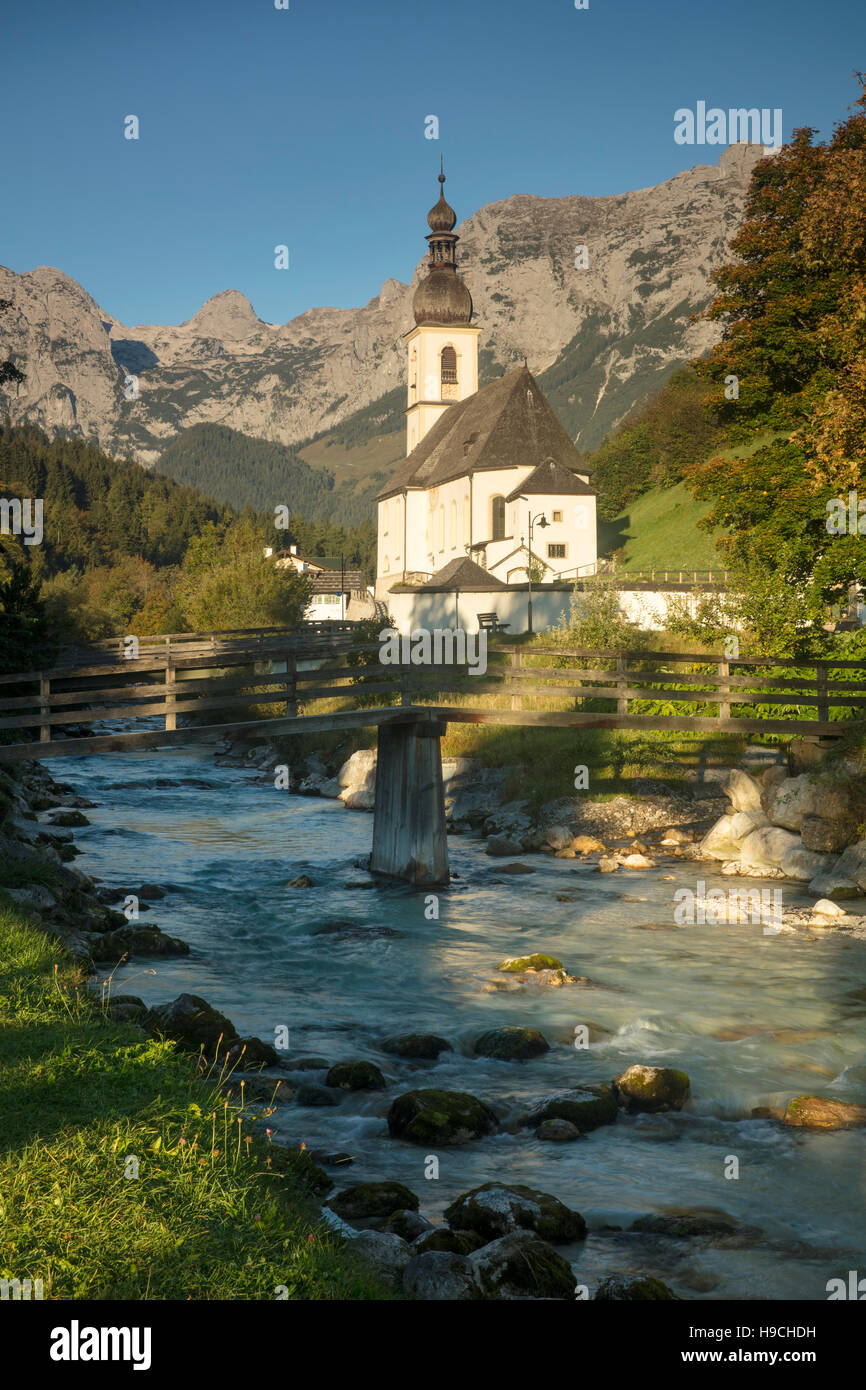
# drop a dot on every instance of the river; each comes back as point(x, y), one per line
point(753, 1018)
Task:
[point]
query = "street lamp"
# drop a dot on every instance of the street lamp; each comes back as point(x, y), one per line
point(542, 522)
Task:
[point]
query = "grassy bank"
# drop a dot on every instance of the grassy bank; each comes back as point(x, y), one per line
point(215, 1213)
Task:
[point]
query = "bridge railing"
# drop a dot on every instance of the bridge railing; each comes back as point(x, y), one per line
point(523, 684)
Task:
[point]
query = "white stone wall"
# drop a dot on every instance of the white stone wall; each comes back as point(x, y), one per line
point(430, 610)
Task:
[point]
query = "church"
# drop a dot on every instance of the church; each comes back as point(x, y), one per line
point(491, 479)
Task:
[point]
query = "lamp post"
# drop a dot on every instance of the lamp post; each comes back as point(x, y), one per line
point(542, 521)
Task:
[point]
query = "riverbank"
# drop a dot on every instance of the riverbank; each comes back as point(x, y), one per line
point(126, 1171)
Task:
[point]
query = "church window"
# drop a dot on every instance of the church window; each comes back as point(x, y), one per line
point(467, 539)
point(441, 528)
point(385, 510)
point(497, 518)
point(557, 516)
point(448, 361)
point(385, 566)
point(556, 552)
point(453, 535)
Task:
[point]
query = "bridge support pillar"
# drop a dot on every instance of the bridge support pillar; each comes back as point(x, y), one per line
point(409, 840)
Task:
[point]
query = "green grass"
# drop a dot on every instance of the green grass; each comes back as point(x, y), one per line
point(215, 1213)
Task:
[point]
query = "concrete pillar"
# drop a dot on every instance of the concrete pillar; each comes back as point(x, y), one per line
point(409, 839)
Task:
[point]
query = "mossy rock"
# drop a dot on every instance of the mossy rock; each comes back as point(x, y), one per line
point(455, 1242)
point(425, 1046)
point(495, 1210)
point(651, 1089)
point(356, 1076)
point(365, 1200)
point(518, 964)
point(621, 1290)
point(298, 1164)
point(511, 1044)
point(440, 1117)
point(688, 1224)
point(69, 818)
point(586, 1107)
point(521, 1265)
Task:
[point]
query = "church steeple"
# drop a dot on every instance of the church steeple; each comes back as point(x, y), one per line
point(442, 297)
point(442, 348)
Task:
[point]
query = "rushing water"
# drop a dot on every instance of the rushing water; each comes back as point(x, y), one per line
point(675, 996)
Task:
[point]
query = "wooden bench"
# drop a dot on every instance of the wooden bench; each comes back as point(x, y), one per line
point(489, 622)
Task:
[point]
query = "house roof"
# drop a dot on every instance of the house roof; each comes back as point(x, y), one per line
point(463, 573)
point(336, 582)
point(551, 478)
point(506, 424)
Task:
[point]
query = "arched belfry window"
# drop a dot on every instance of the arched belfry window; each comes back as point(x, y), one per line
point(497, 518)
point(448, 361)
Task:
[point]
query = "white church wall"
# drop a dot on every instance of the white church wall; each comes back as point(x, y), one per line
point(646, 608)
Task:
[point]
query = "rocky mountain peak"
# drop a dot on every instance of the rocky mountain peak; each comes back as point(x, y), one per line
point(227, 315)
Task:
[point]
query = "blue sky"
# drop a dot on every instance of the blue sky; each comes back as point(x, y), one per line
point(305, 127)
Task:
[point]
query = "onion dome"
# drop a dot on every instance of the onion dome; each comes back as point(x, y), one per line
point(442, 297)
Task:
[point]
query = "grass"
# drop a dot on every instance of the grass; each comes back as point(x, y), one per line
point(215, 1212)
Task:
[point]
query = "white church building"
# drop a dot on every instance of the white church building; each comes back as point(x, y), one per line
point(491, 478)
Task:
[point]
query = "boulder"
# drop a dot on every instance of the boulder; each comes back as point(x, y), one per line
point(817, 1112)
point(425, 1046)
point(517, 965)
point(806, 795)
point(359, 770)
point(831, 884)
point(724, 840)
point(557, 1132)
point(587, 844)
point(825, 836)
point(302, 881)
point(743, 791)
point(365, 1201)
point(439, 1276)
point(517, 869)
point(440, 1117)
point(802, 864)
point(252, 1052)
point(521, 1266)
point(586, 1107)
point(688, 1225)
point(356, 1076)
point(607, 865)
point(67, 818)
point(191, 1021)
point(494, 1210)
point(387, 1254)
point(558, 837)
point(852, 864)
point(511, 1044)
point(766, 848)
point(34, 897)
point(651, 1089)
point(637, 861)
point(500, 847)
point(408, 1224)
point(621, 1289)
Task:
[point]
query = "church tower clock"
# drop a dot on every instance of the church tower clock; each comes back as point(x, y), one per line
point(442, 348)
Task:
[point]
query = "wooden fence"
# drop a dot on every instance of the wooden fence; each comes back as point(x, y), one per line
point(224, 691)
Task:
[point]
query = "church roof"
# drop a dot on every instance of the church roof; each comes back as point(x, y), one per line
point(506, 424)
point(463, 573)
point(551, 478)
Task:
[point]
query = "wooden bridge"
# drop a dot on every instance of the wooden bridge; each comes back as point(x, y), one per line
point(191, 688)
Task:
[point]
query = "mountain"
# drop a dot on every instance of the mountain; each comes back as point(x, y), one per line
point(329, 383)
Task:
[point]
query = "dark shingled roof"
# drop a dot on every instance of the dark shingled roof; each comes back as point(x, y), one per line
point(507, 423)
point(463, 573)
point(550, 477)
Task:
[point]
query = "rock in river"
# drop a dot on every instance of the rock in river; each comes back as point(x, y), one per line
point(586, 1107)
point(366, 1201)
point(356, 1076)
point(618, 1288)
point(191, 1021)
point(520, 1266)
point(651, 1089)
point(511, 1044)
point(440, 1276)
point(816, 1112)
point(440, 1117)
point(494, 1210)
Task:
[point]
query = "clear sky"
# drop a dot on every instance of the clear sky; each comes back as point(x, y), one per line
point(306, 126)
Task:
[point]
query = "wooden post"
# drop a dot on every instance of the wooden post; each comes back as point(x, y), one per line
point(724, 690)
point(170, 716)
point(44, 709)
point(516, 663)
point(409, 838)
point(821, 690)
point(405, 693)
point(292, 686)
point(621, 683)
